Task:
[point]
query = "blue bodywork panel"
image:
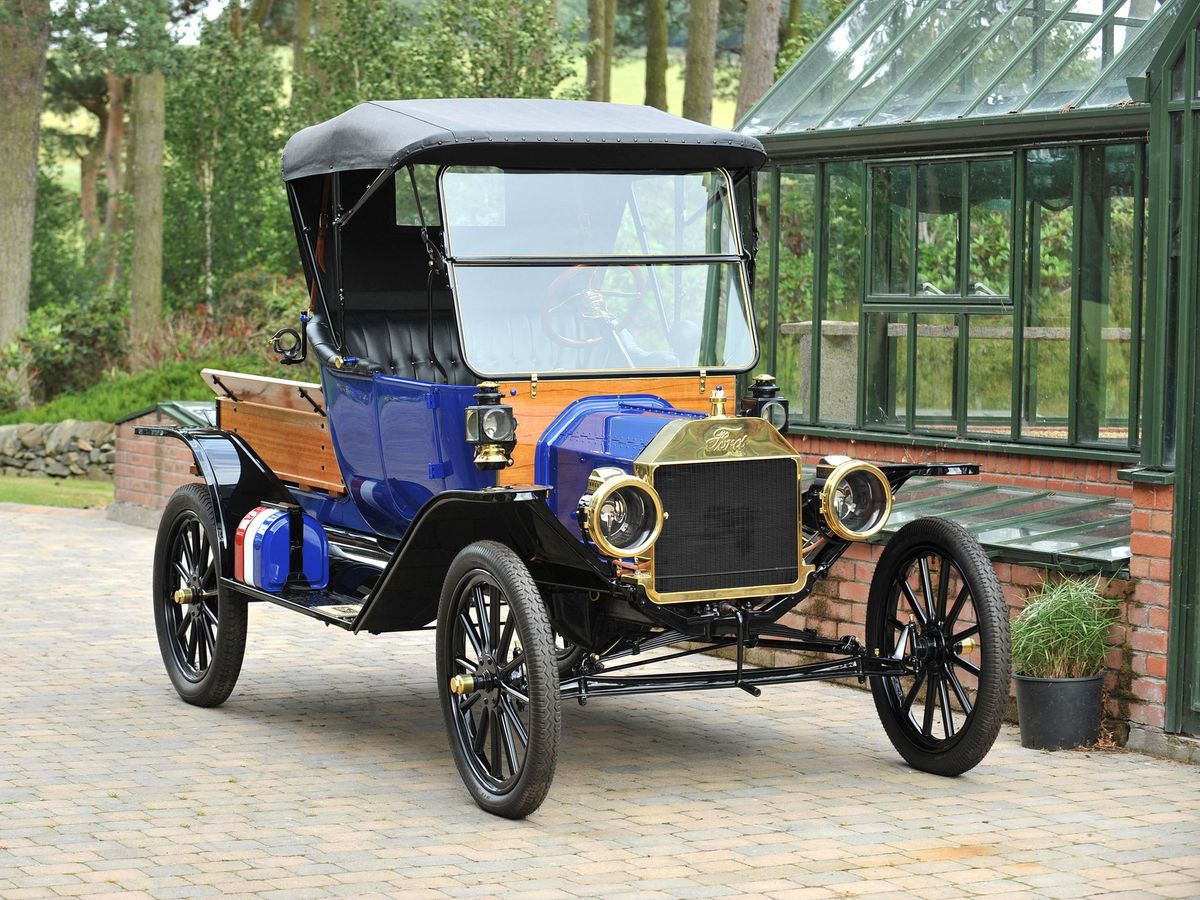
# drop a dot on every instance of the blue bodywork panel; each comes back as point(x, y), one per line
point(398, 443)
point(593, 432)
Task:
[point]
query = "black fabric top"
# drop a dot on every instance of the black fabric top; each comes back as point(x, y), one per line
point(559, 134)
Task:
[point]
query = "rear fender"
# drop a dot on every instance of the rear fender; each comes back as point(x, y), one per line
point(237, 480)
point(407, 593)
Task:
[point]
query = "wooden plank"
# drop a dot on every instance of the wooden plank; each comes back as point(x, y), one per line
point(302, 396)
point(294, 443)
point(534, 414)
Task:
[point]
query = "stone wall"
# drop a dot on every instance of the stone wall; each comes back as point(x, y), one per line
point(59, 449)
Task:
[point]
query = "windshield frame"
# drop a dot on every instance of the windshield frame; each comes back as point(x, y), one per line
point(740, 258)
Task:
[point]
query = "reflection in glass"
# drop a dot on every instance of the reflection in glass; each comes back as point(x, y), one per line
point(1049, 238)
point(937, 373)
point(990, 213)
point(519, 319)
point(887, 369)
point(989, 375)
point(891, 229)
point(798, 230)
point(841, 298)
point(939, 206)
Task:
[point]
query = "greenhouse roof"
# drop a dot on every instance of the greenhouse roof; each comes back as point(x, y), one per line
point(888, 62)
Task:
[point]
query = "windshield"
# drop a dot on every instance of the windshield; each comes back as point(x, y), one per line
point(588, 272)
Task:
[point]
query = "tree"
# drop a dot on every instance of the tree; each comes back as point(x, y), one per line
point(24, 35)
point(656, 53)
point(149, 101)
point(701, 58)
point(599, 52)
point(760, 47)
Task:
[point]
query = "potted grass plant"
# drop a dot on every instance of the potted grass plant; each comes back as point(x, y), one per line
point(1060, 641)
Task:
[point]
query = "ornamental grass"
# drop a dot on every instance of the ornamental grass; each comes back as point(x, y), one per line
point(1063, 630)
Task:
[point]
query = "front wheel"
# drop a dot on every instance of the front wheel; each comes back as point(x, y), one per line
point(936, 604)
point(498, 680)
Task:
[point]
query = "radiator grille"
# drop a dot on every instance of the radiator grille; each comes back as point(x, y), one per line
point(731, 524)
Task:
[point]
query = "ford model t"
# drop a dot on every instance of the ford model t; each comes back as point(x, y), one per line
point(530, 319)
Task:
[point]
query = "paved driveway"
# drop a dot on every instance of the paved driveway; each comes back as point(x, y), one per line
point(328, 772)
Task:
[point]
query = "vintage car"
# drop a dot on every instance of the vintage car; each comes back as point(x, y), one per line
point(531, 318)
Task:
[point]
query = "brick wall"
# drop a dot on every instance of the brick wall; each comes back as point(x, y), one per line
point(1136, 682)
point(147, 471)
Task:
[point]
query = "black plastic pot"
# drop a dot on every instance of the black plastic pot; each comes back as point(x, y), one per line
point(1059, 713)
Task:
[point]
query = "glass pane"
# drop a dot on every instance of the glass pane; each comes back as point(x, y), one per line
point(519, 319)
point(937, 373)
point(1177, 73)
point(936, 22)
point(797, 233)
point(991, 227)
point(495, 213)
point(891, 229)
point(887, 369)
point(939, 207)
point(843, 290)
point(1176, 205)
point(989, 375)
point(1039, 60)
point(1049, 239)
point(1106, 292)
point(407, 212)
point(955, 45)
point(764, 222)
point(810, 70)
point(855, 61)
point(1007, 43)
point(1075, 513)
point(1136, 59)
point(1098, 51)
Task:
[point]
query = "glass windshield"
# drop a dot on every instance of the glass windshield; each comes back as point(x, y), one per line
point(596, 272)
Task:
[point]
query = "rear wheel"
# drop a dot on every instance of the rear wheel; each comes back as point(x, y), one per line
point(498, 680)
point(936, 603)
point(201, 629)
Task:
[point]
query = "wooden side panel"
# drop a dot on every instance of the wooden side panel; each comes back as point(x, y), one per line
point(535, 413)
point(302, 396)
point(295, 444)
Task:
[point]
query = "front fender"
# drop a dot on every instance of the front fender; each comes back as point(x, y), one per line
point(236, 478)
point(408, 591)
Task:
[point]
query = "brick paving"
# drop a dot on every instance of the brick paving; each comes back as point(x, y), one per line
point(328, 773)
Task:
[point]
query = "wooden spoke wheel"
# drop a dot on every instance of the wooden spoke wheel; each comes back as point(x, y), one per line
point(498, 679)
point(201, 631)
point(936, 604)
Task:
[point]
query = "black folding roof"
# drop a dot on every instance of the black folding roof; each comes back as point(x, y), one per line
point(385, 134)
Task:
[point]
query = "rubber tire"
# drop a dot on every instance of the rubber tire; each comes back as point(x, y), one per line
point(537, 642)
point(226, 664)
point(971, 744)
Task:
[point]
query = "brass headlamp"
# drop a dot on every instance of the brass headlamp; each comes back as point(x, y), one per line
point(849, 499)
point(491, 427)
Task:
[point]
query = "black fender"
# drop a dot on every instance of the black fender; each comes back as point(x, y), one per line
point(406, 595)
point(236, 478)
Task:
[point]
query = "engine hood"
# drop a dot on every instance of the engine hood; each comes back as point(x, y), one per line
point(593, 432)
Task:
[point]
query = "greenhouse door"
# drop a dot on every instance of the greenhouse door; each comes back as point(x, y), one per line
point(1175, 248)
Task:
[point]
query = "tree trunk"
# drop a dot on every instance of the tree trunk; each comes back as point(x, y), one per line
point(146, 276)
point(610, 45)
point(656, 53)
point(597, 63)
point(760, 49)
point(260, 11)
point(795, 11)
point(24, 32)
point(114, 175)
point(303, 26)
point(701, 57)
point(89, 200)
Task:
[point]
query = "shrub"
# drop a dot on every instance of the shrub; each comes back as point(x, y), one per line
point(1063, 630)
point(68, 346)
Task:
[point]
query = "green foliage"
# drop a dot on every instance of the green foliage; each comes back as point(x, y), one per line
point(118, 394)
point(60, 266)
point(1063, 630)
point(69, 345)
point(807, 29)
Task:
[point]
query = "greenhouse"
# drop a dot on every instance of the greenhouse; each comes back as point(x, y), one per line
point(978, 240)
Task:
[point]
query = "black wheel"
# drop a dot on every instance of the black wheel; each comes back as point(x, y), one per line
point(201, 629)
point(936, 603)
point(498, 679)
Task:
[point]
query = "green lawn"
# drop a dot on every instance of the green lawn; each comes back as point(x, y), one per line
point(78, 493)
point(629, 86)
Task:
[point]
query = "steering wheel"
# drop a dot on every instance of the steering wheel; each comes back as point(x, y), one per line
point(592, 300)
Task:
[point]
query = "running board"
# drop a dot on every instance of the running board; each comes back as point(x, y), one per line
point(325, 606)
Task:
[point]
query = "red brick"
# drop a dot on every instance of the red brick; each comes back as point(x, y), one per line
point(1147, 544)
point(1160, 618)
point(1156, 666)
point(1147, 714)
point(1152, 641)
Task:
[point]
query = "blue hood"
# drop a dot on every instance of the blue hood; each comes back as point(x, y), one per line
point(594, 432)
